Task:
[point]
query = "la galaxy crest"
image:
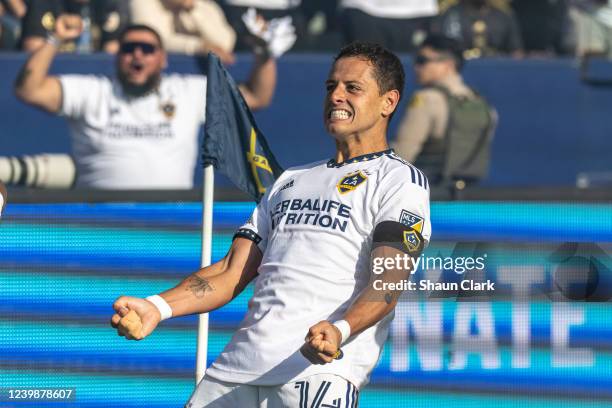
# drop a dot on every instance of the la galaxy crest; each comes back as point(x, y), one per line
point(411, 240)
point(168, 109)
point(351, 181)
point(411, 220)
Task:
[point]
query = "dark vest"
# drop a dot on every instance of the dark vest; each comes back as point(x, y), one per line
point(464, 151)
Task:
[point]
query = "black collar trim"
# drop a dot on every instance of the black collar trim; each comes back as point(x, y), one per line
point(363, 158)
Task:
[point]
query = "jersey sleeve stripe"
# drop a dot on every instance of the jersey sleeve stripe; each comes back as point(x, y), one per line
point(425, 184)
point(414, 172)
point(413, 175)
point(348, 393)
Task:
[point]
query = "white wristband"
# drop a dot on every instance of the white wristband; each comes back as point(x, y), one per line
point(53, 40)
point(164, 308)
point(345, 329)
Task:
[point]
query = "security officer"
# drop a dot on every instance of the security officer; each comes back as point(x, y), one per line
point(448, 127)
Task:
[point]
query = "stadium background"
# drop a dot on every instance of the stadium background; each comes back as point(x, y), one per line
point(62, 265)
point(552, 126)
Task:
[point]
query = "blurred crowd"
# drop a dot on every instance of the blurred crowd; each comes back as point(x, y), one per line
point(484, 27)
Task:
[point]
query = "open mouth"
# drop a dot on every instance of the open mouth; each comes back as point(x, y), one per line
point(136, 67)
point(339, 114)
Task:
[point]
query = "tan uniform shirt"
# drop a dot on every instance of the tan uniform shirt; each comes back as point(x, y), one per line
point(426, 116)
point(186, 31)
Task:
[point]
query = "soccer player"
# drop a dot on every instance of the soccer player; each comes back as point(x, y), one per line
point(316, 324)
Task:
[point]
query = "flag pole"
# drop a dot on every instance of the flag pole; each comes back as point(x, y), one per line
point(208, 191)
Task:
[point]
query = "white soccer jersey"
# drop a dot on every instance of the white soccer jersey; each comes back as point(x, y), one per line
point(314, 228)
point(150, 142)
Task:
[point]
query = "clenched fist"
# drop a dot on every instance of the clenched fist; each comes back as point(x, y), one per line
point(68, 27)
point(135, 318)
point(322, 343)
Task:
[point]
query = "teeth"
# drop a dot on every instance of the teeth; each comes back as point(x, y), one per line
point(339, 114)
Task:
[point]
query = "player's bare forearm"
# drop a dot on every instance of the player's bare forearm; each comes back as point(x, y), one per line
point(259, 89)
point(203, 291)
point(366, 312)
point(372, 304)
point(212, 287)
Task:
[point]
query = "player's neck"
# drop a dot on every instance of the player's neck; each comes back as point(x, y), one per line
point(356, 146)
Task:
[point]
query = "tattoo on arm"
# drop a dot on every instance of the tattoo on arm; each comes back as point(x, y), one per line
point(199, 286)
point(22, 77)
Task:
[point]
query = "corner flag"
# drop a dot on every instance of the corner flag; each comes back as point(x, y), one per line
point(232, 142)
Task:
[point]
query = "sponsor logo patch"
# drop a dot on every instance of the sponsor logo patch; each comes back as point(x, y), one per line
point(351, 181)
point(411, 220)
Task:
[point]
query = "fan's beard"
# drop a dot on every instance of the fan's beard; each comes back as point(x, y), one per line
point(135, 90)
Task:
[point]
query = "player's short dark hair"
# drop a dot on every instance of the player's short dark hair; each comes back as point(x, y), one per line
point(446, 45)
point(388, 69)
point(140, 27)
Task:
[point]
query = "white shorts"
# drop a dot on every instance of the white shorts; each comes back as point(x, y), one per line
point(317, 391)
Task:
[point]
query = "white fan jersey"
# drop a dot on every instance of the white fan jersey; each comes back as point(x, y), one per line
point(394, 8)
point(314, 227)
point(149, 142)
point(265, 4)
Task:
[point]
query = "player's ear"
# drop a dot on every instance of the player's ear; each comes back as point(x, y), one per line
point(390, 101)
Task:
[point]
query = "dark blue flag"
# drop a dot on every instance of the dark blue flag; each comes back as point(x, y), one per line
point(232, 142)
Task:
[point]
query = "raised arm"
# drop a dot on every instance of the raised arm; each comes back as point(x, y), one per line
point(203, 291)
point(34, 85)
point(259, 89)
point(269, 41)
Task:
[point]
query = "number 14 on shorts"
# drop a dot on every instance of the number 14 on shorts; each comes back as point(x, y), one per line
point(326, 394)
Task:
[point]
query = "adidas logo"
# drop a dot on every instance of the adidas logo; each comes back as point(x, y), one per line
point(286, 186)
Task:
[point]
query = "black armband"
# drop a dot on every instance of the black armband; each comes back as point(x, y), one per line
point(248, 234)
point(399, 236)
